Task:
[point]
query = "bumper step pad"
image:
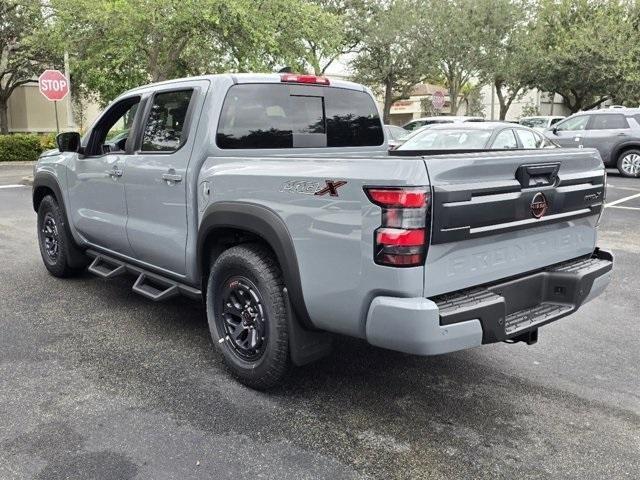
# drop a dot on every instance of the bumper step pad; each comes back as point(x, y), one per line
point(510, 308)
point(530, 317)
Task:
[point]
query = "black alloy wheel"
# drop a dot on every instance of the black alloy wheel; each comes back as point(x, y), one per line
point(243, 322)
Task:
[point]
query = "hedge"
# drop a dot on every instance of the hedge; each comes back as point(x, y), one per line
point(20, 147)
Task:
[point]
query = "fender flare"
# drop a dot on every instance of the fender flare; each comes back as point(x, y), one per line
point(50, 181)
point(46, 179)
point(266, 224)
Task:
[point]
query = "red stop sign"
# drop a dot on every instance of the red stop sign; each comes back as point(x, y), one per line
point(53, 85)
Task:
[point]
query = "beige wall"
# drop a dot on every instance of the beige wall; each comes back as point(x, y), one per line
point(30, 111)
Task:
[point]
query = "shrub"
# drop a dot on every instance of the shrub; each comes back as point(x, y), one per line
point(18, 147)
point(48, 141)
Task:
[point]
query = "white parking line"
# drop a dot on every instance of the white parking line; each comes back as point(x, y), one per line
point(623, 188)
point(12, 186)
point(624, 207)
point(623, 199)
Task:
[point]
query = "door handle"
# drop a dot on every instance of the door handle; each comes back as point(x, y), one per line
point(115, 172)
point(171, 177)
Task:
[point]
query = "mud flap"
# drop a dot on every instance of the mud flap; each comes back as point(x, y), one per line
point(305, 346)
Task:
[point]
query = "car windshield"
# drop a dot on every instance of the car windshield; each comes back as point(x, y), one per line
point(534, 122)
point(454, 139)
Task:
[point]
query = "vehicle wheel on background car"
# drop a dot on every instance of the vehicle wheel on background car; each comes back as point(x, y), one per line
point(246, 309)
point(629, 163)
point(59, 252)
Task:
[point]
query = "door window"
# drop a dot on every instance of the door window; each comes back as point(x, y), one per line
point(528, 139)
point(164, 130)
point(608, 121)
point(575, 123)
point(111, 133)
point(505, 139)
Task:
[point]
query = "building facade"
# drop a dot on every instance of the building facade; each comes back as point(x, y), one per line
point(30, 112)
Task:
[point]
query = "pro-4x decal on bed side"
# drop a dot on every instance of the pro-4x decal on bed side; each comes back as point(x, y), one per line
point(306, 187)
point(331, 188)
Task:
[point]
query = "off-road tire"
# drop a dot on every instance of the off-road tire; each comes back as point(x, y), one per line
point(258, 267)
point(68, 259)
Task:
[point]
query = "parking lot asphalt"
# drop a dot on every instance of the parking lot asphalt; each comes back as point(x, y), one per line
point(97, 382)
point(14, 173)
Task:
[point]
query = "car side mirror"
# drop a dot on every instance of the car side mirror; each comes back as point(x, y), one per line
point(554, 130)
point(68, 142)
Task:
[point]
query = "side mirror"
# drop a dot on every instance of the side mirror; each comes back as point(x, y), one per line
point(68, 142)
point(554, 130)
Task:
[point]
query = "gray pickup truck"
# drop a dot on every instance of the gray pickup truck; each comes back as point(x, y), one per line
point(273, 199)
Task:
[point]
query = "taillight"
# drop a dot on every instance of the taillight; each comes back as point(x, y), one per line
point(401, 240)
point(303, 78)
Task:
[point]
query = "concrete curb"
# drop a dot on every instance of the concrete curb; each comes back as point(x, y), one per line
point(16, 164)
point(28, 180)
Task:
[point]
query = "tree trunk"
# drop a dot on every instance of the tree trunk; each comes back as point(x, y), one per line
point(4, 117)
point(453, 99)
point(388, 101)
point(505, 101)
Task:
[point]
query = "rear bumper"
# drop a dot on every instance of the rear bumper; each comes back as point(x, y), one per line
point(492, 313)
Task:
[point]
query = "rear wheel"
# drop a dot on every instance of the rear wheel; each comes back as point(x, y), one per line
point(629, 163)
point(247, 314)
point(57, 248)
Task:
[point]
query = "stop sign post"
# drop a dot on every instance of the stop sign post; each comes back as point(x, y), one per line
point(54, 86)
point(437, 100)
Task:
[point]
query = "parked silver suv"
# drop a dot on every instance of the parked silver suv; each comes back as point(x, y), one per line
point(615, 133)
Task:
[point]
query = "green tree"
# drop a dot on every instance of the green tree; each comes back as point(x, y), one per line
point(460, 36)
point(340, 33)
point(116, 45)
point(506, 62)
point(392, 60)
point(21, 57)
point(580, 49)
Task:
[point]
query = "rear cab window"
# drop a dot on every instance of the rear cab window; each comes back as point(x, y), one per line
point(265, 116)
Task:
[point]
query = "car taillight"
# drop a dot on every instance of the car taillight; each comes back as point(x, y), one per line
point(401, 240)
point(301, 78)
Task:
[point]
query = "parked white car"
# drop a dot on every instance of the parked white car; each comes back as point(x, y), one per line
point(541, 122)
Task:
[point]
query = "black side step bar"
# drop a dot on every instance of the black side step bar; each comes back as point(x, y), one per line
point(153, 286)
point(104, 268)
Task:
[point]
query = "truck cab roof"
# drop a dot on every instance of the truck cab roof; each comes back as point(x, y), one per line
point(238, 78)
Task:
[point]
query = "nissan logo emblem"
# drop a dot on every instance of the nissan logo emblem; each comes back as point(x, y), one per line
point(539, 205)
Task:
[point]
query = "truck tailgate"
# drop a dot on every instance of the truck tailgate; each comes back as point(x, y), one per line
point(500, 214)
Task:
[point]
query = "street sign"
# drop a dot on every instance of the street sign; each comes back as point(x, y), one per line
point(437, 100)
point(53, 85)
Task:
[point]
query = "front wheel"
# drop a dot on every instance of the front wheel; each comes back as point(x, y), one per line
point(247, 314)
point(629, 163)
point(57, 248)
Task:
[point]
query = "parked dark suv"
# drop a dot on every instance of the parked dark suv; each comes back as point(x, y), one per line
point(614, 132)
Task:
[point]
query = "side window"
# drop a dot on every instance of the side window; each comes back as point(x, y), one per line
point(111, 133)
point(608, 121)
point(575, 123)
point(554, 121)
point(164, 130)
point(528, 139)
point(505, 139)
